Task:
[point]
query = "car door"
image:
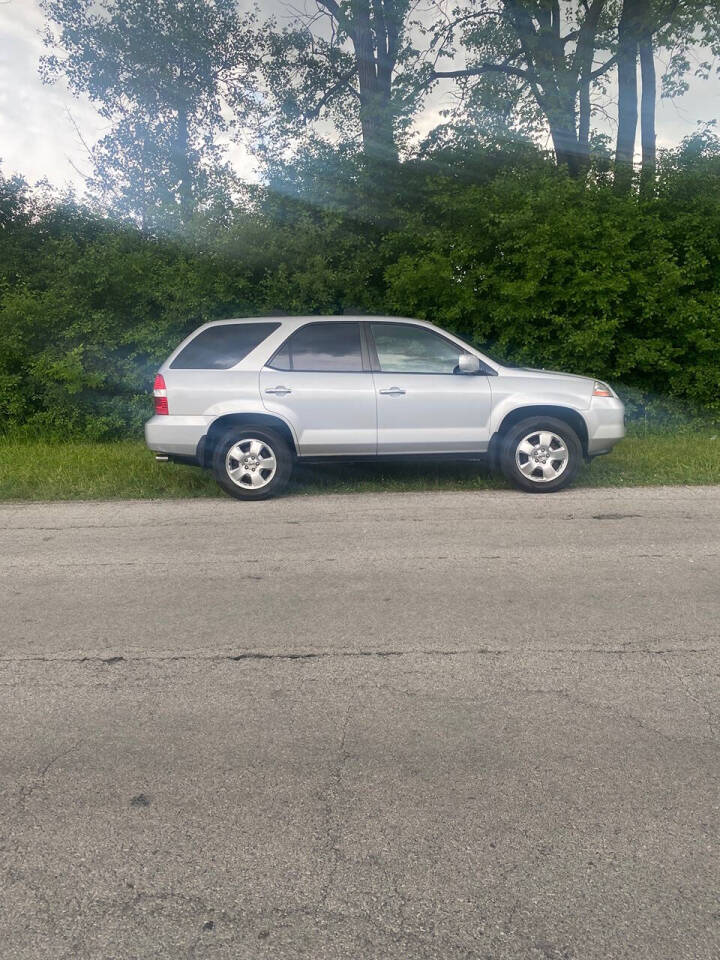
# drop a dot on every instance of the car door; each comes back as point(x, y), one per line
point(424, 405)
point(320, 382)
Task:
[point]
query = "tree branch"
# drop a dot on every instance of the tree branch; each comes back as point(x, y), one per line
point(505, 67)
point(344, 81)
point(556, 18)
point(484, 68)
point(334, 9)
point(573, 35)
point(608, 65)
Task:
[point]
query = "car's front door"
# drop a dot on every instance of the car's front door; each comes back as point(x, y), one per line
point(424, 405)
point(320, 382)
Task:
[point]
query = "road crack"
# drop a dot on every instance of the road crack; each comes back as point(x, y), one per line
point(333, 825)
point(710, 717)
point(480, 651)
point(27, 790)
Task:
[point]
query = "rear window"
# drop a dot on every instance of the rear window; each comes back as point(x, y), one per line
point(219, 348)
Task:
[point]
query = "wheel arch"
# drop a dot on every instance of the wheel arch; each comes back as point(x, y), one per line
point(221, 425)
point(572, 417)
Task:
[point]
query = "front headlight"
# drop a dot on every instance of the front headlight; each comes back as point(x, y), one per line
point(601, 389)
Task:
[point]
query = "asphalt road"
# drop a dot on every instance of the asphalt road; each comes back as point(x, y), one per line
point(440, 725)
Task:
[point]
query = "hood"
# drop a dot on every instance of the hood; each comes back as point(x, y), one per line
point(555, 374)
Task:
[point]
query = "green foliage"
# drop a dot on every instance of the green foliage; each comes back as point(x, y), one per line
point(548, 271)
point(529, 265)
point(165, 76)
point(125, 469)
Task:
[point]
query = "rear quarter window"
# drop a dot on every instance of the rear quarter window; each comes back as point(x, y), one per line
point(221, 347)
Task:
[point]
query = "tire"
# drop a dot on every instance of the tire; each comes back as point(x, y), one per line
point(249, 447)
point(526, 458)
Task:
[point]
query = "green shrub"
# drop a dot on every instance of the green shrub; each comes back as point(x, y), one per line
point(527, 264)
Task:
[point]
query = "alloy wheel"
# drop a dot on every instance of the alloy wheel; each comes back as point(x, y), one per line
point(542, 456)
point(250, 464)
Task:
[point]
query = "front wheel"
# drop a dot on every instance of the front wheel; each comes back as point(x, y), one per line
point(541, 455)
point(252, 463)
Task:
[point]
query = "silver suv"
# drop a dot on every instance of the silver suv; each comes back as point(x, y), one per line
point(247, 398)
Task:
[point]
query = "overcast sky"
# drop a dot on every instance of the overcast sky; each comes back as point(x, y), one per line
point(39, 140)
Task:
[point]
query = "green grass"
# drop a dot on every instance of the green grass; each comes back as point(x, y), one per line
point(41, 470)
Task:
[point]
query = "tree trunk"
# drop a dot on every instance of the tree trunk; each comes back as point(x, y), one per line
point(374, 87)
point(568, 150)
point(185, 186)
point(553, 81)
point(647, 112)
point(627, 97)
point(377, 133)
point(584, 56)
point(584, 114)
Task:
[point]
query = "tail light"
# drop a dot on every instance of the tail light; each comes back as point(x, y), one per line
point(160, 394)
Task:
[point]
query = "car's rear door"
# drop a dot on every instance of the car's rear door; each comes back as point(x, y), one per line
point(320, 382)
point(424, 405)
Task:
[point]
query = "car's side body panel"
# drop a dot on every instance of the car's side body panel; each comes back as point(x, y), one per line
point(432, 413)
point(213, 392)
point(330, 413)
point(511, 391)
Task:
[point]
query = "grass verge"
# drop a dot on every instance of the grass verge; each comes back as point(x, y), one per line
point(40, 470)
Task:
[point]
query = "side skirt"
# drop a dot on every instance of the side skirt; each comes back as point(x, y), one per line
point(479, 457)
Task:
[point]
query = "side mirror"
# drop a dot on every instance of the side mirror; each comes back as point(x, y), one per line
point(467, 363)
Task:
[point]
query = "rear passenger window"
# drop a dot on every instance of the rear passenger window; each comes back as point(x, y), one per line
point(221, 347)
point(321, 347)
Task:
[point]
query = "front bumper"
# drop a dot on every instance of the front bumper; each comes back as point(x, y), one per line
point(606, 424)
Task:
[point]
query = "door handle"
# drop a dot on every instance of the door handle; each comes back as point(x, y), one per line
point(278, 391)
point(392, 392)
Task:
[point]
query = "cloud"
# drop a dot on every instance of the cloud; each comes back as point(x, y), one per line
point(37, 137)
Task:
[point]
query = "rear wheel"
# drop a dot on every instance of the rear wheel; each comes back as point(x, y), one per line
point(541, 455)
point(252, 463)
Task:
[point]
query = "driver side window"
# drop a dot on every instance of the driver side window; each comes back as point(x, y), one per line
point(403, 348)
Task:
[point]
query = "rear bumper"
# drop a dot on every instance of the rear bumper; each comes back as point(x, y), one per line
point(605, 423)
point(176, 436)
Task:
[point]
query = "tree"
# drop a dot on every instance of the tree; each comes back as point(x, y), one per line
point(353, 64)
point(549, 47)
point(644, 26)
point(559, 52)
point(638, 23)
point(164, 73)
